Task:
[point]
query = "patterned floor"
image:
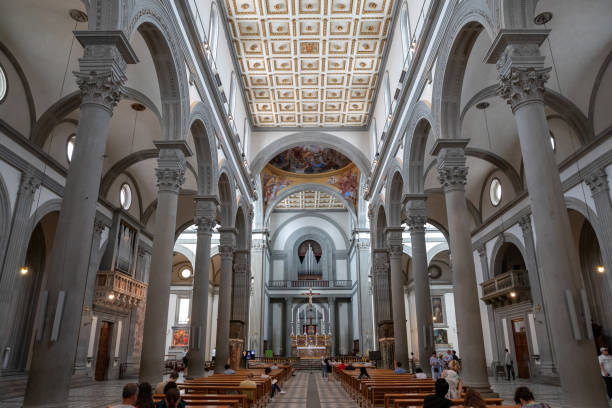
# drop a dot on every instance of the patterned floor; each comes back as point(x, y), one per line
point(304, 390)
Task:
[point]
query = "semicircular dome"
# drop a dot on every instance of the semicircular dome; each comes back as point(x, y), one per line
point(310, 159)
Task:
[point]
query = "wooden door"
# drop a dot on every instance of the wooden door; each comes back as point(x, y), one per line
point(102, 358)
point(521, 348)
point(356, 347)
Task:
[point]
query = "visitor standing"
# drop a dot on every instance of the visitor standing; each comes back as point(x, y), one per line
point(363, 373)
point(323, 367)
point(605, 363)
point(451, 375)
point(509, 365)
point(434, 362)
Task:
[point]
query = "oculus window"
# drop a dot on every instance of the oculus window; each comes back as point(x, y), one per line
point(3, 84)
point(70, 147)
point(125, 196)
point(495, 192)
point(185, 273)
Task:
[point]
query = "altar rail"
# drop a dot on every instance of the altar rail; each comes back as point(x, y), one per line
point(283, 284)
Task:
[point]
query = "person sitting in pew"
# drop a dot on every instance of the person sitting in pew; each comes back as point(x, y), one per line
point(350, 367)
point(250, 383)
point(341, 366)
point(172, 399)
point(274, 382)
point(438, 400)
point(363, 373)
point(129, 396)
point(159, 388)
point(145, 396)
point(419, 373)
point(473, 399)
point(525, 398)
point(228, 370)
point(399, 369)
point(274, 366)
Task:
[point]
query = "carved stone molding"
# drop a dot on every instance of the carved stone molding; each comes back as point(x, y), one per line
point(520, 86)
point(204, 225)
point(226, 251)
point(525, 223)
point(395, 251)
point(99, 227)
point(30, 183)
point(452, 171)
point(453, 178)
point(597, 181)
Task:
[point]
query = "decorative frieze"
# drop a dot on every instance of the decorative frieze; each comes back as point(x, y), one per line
point(597, 181)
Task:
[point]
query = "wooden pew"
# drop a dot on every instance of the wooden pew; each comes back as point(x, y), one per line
point(233, 400)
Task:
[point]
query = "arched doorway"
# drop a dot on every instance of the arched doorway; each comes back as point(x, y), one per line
point(32, 280)
point(594, 277)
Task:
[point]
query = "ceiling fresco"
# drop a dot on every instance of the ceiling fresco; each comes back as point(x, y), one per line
point(310, 200)
point(310, 159)
point(345, 181)
point(309, 63)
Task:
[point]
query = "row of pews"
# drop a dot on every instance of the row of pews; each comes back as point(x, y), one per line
point(385, 388)
point(224, 390)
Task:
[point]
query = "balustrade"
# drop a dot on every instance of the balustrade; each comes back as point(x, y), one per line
point(307, 283)
point(117, 290)
point(506, 288)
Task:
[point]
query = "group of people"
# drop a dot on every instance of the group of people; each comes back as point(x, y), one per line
point(441, 362)
point(141, 395)
point(442, 397)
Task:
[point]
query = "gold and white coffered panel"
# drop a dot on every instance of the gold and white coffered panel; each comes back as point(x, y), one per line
point(309, 62)
point(310, 200)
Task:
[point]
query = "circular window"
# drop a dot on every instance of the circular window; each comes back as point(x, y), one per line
point(125, 196)
point(185, 273)
point(496, 192)
point(70, 147)
point(3, 84)
point(553, 142)
point(434, 272)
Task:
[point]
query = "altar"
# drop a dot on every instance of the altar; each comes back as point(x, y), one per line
point(311, 351)
point(310, 345)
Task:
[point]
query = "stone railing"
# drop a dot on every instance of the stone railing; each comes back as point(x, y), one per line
point(117, 290)
point(506, 288)
point(288, 284)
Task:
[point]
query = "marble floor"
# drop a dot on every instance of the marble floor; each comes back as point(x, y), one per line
point(305, 390)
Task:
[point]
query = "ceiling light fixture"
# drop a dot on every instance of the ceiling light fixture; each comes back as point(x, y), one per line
point(24, 270)
point(513, 294)
point(600, 269)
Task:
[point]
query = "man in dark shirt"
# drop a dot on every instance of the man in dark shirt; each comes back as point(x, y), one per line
point(438, 400)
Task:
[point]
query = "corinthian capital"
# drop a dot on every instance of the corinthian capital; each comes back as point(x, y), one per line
point(205, 213)
point(452, 171)
point(102, 67)
point(170, 179)
point(29, 184)
point(523, 85)
point(453, 178)
point(226, 251)
point(597, 182)
point(416, 212)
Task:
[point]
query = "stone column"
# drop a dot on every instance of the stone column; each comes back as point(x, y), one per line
point(257, 312)
point(417, 218)
point(170, 176)
point(226, 249)
point(331, 304)
point(13, 285)
point(100, 79)
point(486, 275)
point(362, 255)
point(597, 181)
point(523, 77)
point(205, 220)
point(288, 321)
point(80, 363)
point(452, 175)
point(240, 305)
point(382, 307)
point(543, 334)
point(394, 242)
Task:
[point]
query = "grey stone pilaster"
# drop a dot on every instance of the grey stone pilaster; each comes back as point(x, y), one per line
point(226, 249)
point(170, 173)
point(522, 83)
point(205, 220)
point(452, 173)
point(486, 275)
point(100, 79)
point(288, 324)
point(394, 243)
point(331, 304)
point(417, 218)
point(13, 285)
point(600, 191)
point(257, 309)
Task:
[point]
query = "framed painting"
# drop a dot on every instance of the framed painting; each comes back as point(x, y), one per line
point(180, 337)
point(437, 306)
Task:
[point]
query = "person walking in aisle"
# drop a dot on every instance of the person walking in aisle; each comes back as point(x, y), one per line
point(509, 365)
point(605, 363)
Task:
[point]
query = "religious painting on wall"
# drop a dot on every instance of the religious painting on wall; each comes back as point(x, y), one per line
point(437, 306)
point(345, 181)
point(310, 159)
point(180, 337)
point(440, 336)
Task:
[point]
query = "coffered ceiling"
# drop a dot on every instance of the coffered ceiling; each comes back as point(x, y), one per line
point(309, 63)
point(310, 200)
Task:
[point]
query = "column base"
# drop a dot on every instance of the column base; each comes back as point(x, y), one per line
point(484, 390)
point(236, 347)
point(386, 342)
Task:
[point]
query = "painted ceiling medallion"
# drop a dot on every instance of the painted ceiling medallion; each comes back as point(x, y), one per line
point(306, 40)
point(310, 159)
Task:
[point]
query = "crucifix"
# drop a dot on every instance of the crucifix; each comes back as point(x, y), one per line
point(310, 293)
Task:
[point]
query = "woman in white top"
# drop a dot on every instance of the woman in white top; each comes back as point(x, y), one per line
point(451, 375)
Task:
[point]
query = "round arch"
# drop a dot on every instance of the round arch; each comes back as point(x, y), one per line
point(323, 217)
point(309, 186)
point(496, 254)
point(469, 19)
point(393, 195)
point(319, 138)
point(204, 140)
point(419, 129)
point(227, 198)
point(320, 236)
point(5, 217)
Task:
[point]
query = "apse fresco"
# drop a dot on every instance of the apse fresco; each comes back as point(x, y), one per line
point(310, 159)
point(345, 181)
